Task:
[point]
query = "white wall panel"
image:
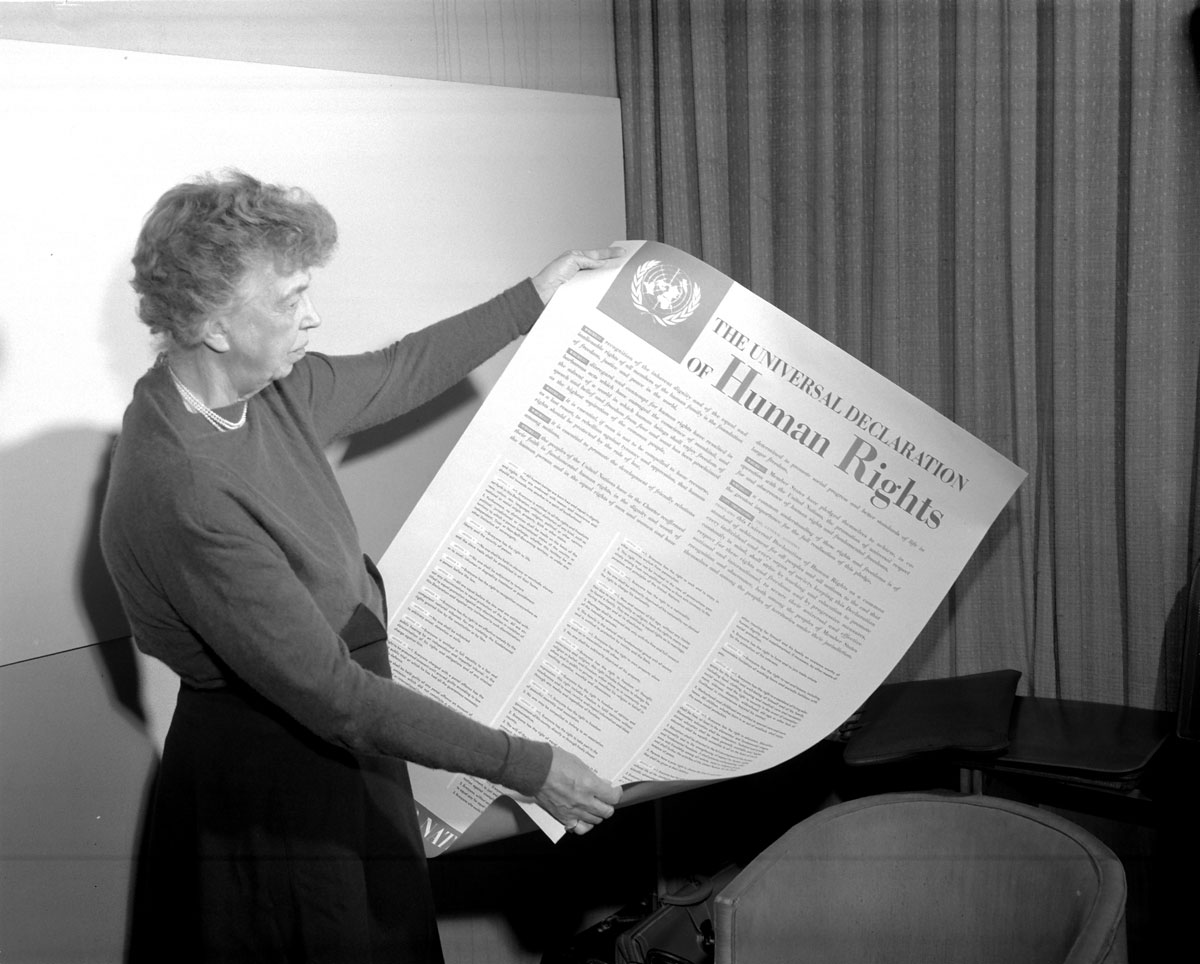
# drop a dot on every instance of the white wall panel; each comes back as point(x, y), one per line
point(444, 193)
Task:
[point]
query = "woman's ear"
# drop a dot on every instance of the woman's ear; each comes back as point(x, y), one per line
point(216, 333)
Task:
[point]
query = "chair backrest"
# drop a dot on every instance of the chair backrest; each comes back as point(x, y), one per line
point(912, 877)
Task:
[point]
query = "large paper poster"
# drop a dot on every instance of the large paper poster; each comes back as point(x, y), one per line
point(685, 537)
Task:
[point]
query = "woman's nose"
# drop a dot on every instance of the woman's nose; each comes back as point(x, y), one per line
point(308, 313)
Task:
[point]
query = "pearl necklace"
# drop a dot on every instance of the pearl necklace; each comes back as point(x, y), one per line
point(194, 403)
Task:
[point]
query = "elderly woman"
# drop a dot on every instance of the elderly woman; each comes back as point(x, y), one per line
point(282, 825)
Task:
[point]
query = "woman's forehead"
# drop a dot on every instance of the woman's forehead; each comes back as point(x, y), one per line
point(264, 280)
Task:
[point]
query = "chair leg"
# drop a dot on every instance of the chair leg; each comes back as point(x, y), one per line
point(970, 780)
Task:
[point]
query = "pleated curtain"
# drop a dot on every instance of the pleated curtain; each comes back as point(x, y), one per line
point(995, 205)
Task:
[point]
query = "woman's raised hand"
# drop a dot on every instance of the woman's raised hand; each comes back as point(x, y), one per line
point(567, 265)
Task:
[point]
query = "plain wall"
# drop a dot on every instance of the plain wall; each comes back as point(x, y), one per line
point(559, 45)
point(444, 193)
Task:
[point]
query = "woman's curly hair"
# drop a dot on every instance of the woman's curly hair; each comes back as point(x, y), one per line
point(201, 237)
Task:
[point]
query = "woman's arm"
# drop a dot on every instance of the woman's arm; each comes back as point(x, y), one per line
point(235, 590)
point(347, 394)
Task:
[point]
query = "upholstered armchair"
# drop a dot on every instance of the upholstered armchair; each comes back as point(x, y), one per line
point(918, 878)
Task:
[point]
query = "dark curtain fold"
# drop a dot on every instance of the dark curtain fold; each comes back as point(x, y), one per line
point(994, 204)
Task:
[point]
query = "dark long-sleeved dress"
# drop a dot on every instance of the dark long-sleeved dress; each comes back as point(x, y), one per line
point(282, 826)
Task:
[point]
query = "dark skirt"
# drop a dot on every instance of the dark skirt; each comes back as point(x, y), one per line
point(267, 844)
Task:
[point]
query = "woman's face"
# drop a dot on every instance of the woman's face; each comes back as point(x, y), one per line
point(268, 328)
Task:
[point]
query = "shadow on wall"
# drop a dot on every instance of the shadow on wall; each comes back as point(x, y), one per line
point(100, 603)
point(56, 594)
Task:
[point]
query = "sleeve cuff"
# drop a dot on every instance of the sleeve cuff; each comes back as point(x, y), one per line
point(528, 302)
point(526, 765)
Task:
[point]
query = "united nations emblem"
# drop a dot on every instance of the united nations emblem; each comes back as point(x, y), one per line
point(664, 292)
